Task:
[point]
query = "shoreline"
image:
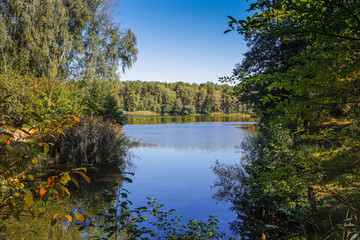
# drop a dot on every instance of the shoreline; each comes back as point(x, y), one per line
point(215, 114)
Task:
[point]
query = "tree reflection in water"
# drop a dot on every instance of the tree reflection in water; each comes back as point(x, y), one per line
point(256, 215)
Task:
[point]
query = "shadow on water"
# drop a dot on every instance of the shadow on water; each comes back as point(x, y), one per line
point(185, 119)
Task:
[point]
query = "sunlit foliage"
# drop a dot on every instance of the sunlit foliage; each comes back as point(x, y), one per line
point(301, 76)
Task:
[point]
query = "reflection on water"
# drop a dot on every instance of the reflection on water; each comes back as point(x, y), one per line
point(185, 119)
point(180, 180)
point(207, 136)
point(89, 198)
point(174, 164)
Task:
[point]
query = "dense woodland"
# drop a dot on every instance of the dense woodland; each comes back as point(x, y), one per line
point(299, 178)
point(178, 98)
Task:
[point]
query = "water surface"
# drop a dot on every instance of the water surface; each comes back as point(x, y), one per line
point(173, 164)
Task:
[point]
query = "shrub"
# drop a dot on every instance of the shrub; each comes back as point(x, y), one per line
point(91, 141)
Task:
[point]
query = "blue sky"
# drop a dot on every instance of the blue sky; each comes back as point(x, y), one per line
point(182, 40)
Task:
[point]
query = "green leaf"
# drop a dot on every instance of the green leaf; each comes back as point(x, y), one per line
point(24, 131)
point(7, 134)
point(84, 176)
point(3, 138)
point(79, 216)
point(53, 222)
point(355, 236)
point(29, 199)
point(61, 131)
point(92, 106)
point(37, 116)
point(232, 19)
point(127, 180)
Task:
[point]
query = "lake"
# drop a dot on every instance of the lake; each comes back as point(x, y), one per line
point(172, 162)
point(174, 159)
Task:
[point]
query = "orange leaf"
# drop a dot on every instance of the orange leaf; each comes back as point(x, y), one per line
point(8, 142)
point(43, 191)
point(55, 215)
point(69, 218)
point(51, 180)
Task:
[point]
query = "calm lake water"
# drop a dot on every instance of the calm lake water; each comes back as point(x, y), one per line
point(174, 160)
point(173, 163)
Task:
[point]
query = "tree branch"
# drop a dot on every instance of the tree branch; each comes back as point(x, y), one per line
point(347, 10)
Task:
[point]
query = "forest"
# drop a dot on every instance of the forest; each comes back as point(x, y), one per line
point(178, 98)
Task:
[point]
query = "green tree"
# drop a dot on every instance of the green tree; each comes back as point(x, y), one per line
point(178, 106)
point(102, 94)
point(168, 99)
point(301, 78)
point(58, 39)
point(201, 98)
point(175, 98)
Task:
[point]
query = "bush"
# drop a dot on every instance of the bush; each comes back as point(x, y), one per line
point(91, 141)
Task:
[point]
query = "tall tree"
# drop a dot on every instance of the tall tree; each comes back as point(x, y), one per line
point(301, 75)
point(60, 39)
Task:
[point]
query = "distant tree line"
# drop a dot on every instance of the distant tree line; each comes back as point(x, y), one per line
point(178, 98)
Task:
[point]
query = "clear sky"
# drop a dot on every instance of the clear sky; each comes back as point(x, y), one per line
point(182, 40)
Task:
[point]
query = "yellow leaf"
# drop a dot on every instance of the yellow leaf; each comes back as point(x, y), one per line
point(76, 118)
point(80, 169)
point(60, 130)
point(46, 148)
